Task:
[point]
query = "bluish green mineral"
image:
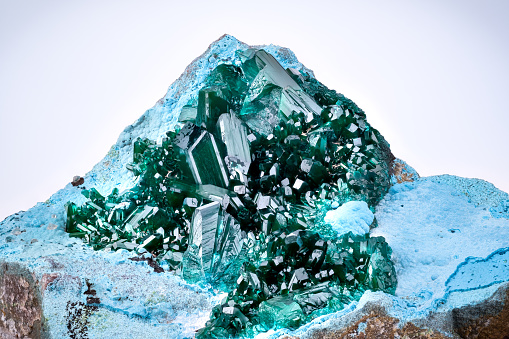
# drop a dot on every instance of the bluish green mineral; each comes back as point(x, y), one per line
point(236, 195)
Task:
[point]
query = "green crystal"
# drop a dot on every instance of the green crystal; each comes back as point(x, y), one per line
point(204, 224)
point(280, 312)
point(192, 265)
point(273, 96)
point(233, 134)
point(202, 156)
point(188, 114)
point(229, 243)
point(211, 104)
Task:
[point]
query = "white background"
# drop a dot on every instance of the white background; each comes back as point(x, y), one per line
point(432, 76)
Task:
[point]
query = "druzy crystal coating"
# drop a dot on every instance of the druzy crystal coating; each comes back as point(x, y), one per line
point(236, 197)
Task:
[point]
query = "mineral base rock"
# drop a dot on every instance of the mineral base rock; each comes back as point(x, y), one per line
point(22, 298)
point(374, 319)
point(74, 297)
point(377, 324)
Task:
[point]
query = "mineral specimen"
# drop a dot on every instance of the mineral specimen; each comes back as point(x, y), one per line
point(237, 195)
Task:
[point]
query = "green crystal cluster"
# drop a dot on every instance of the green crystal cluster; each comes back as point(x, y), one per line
point(295, 277)
point(235, 197)
point(144, 218)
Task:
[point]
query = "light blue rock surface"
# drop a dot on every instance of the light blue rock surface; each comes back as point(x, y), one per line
point(353, 216)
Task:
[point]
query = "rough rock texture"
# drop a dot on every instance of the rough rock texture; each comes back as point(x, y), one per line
point(488, 319)
point(371, 321)
point(97, 297)
point(401, 172)
point(378, 325)
point(20, 303)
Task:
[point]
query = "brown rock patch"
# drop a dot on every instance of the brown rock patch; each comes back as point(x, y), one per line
point(77, 180)
point(20, 303)
point(378, 326)
point(399, 171)
point(151, 262)
point(486, 320)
